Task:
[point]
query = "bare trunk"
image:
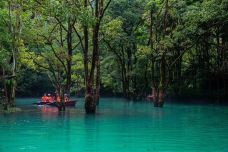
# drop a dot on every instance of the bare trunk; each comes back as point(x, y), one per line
point(86, 55)
point(15, 30)
point(160, 92)
point(98, 81)
point(5, 98)
point(90, 101)
point(61, 105)
point(14, 84)
point(69, 58)
point(4, 85)
point(86, 49)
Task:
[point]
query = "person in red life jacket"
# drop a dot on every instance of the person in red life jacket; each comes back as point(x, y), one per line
point(48, 98)
point(44, 98)
point(66, 98)
point(58, 98)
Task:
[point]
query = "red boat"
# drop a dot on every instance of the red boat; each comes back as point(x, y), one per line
point(70, 103)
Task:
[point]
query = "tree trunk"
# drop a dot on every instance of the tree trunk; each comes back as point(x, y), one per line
point(4, 84)
point(15, 31)
point(86, 44)
point(91, 98)
point(90, 101)
point(98, 81)
point(12, 102)
point(69, 58)
point(61, 105)
point(160, 92)
point(5, 93)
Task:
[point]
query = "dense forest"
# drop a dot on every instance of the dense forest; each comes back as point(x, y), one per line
point(128, 48)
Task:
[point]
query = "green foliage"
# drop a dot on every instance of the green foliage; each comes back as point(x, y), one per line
point(178, 43)
point(136, 37)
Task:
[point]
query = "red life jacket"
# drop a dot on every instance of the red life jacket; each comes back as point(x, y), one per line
point(58, 99)
point(44, 99)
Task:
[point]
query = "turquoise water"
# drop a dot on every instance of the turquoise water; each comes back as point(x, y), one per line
point(118, 126)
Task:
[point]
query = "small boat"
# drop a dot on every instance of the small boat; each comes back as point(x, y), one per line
point(70, 103)
point(40, 103)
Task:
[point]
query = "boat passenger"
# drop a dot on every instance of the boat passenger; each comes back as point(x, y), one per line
point(58, 99)
point(48, 98)
point(66, 98)
point(44, 98)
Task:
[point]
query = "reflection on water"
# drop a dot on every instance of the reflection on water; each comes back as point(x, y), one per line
point(118, 126)
point(49, 112)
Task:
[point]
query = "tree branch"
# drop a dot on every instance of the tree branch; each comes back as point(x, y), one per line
point(76, 46)
point(60, 23)
point(80, 38)
point(56, 55)
point(53, 50)
point(104, 10)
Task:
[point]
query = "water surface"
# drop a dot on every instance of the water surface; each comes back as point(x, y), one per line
point(118, 126)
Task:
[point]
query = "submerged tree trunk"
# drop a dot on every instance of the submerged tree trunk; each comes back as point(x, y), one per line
point(160, 92)
point(15, 30)
point(61, 104)
point(90, 101)
point(90, 104)
point(92, 97)
point(160, 83)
